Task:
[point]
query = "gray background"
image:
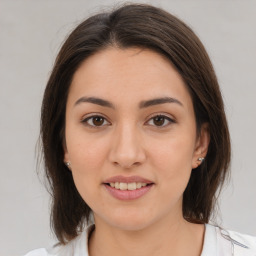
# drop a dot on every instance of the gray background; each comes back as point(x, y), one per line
point(31, 32)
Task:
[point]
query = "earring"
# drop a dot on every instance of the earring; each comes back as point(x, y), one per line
point(67, 164)
point(201, 159)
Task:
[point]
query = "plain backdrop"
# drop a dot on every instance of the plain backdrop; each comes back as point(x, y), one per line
point(31, 32)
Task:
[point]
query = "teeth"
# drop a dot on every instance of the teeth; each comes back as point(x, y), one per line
point(117, 185)
point(138, 185)
point(131, 186)
point(123, 186)
point(127, 186)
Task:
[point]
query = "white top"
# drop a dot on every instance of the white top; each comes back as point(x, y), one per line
point(217, 242)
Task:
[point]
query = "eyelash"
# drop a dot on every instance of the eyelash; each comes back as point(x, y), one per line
point(166, 119)
point(86, 120)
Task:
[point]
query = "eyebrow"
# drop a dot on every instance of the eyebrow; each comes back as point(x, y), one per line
point(143, 104)
point(96, 101)
point(158, 101)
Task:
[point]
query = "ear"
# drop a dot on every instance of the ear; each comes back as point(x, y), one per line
point(201, 147)
point(66, 155)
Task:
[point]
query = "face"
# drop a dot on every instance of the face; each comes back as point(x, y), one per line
point(131, 137)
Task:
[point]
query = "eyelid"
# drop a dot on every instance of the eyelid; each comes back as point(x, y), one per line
point(87, 117)
point(84, 120)
point(166, 116)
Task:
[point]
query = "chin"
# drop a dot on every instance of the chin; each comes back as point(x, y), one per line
point(131, 225)
point(130, 221)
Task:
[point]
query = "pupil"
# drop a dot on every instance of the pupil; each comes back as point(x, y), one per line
point(159, 120)
point(98, 121)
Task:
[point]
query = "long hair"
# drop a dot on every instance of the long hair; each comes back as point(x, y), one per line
point(144, 26)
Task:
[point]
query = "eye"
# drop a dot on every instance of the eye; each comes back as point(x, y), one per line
point(160, 121)
point(95, 121)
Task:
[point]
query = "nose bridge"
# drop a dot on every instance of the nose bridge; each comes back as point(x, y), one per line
point(126, 149)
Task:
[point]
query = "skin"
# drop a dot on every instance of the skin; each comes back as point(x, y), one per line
point(129, 141)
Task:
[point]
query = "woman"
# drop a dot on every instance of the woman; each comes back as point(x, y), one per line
point(135, 140)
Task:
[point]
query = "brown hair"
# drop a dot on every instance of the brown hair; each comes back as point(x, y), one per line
point(144, 26)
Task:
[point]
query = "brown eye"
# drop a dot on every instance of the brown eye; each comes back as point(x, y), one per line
point(98, 120)
point(95, 121)
point(158, 120)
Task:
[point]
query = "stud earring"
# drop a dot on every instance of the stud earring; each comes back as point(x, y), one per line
point(201, 159)
point(67, 164)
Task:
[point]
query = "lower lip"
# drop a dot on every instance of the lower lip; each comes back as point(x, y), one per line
point(128, 194)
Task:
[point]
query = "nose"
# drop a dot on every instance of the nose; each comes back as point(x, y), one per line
point(126, 147)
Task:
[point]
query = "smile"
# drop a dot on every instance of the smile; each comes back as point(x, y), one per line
point(128, 194)
point(127, 186)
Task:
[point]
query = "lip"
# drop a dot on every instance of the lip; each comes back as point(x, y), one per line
point(128, 194)
point(129, 179)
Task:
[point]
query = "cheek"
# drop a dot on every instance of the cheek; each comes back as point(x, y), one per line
point(173, 160)
point(173, 151)
point(87, 157)
point(85, 152)
point(87, 164)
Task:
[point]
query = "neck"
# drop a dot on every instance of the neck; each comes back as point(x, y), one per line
point(161, 239)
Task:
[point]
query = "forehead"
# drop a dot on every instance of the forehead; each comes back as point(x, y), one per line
point(132, 74)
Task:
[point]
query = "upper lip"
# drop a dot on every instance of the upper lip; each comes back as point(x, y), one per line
point(129, 179)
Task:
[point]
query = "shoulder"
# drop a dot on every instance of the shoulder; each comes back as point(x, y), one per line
point(58, 250)
point(76, 247)
point(243, 240)
point(38, 252)
point(241, 244)
point(219, 241)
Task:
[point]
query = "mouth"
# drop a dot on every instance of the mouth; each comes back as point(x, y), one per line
point(127, 186)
